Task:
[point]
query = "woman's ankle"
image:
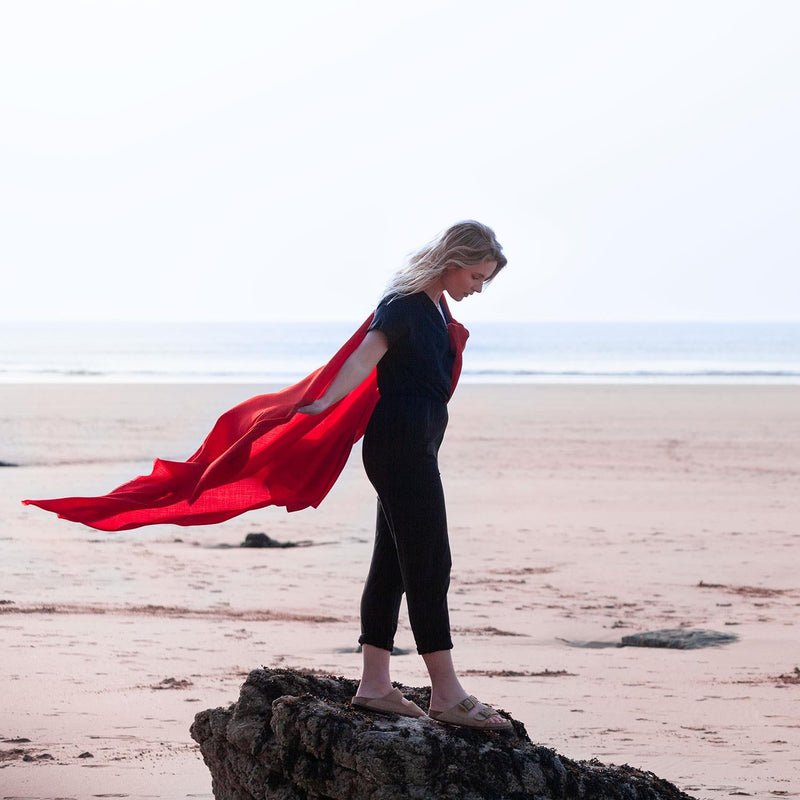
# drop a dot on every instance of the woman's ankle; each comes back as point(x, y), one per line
point(375, 677)
point(371, 687)
point(446, 689)
point(445, 697)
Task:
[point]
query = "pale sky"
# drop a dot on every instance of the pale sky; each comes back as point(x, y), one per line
point(275, 160)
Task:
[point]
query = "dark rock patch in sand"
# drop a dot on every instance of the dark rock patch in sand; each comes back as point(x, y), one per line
point(675, 638)
point(40, 757)
point(294, 736)
point(262, 540)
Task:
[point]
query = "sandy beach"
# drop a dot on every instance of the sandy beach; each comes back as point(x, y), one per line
point(578, 514)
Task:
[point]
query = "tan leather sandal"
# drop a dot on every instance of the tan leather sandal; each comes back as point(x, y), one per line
point(464, 715)
point(392, 703)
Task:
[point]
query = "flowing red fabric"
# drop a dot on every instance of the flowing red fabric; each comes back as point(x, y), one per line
point(260, 453)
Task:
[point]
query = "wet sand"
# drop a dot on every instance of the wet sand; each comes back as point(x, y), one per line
point(578, 515)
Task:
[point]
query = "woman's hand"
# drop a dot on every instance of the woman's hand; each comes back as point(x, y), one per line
point(317, 407)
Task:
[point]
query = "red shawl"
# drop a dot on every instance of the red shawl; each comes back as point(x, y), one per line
point(260, 453)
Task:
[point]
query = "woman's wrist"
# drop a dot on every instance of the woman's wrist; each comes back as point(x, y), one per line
point(316, 407)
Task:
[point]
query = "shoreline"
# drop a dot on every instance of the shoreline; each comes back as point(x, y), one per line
point(500, 351)
point(506, 379)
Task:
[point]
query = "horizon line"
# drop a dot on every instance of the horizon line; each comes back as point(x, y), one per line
point(353, 321)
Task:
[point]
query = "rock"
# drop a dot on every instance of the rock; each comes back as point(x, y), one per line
point(262, 540)
point(679, 638)
point(40, 757)
point(294, 736)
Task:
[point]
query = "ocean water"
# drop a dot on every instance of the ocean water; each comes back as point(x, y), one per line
point(529, 352)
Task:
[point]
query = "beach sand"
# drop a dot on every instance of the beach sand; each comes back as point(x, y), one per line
point(578, 514)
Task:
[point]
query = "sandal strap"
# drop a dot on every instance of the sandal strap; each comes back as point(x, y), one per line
point(468, 703)
point(484, 713)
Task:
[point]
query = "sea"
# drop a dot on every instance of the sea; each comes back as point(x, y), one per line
point(497, 352)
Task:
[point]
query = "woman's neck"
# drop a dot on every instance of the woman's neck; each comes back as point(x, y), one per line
point(434, 291)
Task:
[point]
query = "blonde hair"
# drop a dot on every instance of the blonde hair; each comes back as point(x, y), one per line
point(461, 245)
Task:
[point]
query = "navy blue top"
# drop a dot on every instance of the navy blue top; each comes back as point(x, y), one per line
point(419, 361)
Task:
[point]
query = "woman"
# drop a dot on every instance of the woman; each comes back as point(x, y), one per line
point(408, 340)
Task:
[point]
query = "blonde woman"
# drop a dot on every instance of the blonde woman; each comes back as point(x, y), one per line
point(410, 340)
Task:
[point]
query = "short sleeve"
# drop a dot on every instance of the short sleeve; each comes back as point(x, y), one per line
point(391, 318)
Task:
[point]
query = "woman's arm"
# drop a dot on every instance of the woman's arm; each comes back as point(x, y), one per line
point(354, 371)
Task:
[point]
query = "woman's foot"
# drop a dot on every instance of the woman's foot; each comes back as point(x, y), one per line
point(447, 692)
point(391, 703)
point(471, 713)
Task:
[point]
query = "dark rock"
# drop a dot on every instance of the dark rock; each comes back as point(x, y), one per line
point(293, 736)
point(86, 754)
point(8, 464)
point(679, 639)
point(262, 540)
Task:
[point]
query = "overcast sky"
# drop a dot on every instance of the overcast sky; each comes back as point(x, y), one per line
point(275, 160)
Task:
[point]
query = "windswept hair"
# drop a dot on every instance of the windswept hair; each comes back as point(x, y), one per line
point(461, 245)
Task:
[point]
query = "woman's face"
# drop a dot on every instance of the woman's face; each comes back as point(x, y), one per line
point(459, 282)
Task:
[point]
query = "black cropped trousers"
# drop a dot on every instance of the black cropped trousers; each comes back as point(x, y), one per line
point(411, 554)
